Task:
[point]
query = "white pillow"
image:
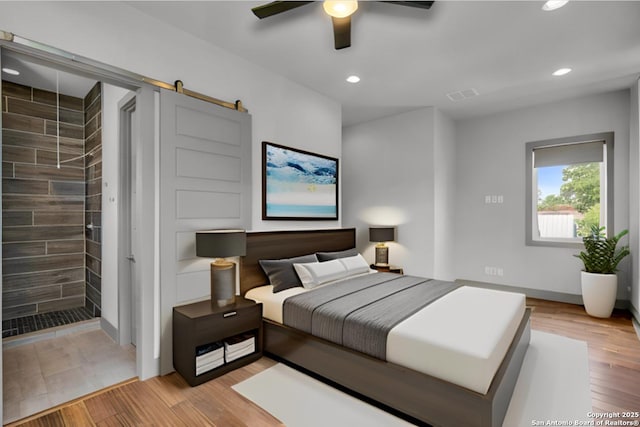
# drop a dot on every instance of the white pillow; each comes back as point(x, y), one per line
point(355, 265)
point(312, 274)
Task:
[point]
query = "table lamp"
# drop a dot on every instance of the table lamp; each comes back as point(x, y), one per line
point(380, 235)
point(220, 244)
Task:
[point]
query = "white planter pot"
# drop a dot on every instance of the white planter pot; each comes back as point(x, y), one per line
point(599, 293)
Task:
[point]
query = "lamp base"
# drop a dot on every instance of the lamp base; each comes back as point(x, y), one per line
point(223, 283)
point(382, 255)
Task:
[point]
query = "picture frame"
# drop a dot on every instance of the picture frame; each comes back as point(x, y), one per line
point(298, 184)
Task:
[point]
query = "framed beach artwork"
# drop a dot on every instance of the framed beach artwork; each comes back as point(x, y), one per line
point(297, 184)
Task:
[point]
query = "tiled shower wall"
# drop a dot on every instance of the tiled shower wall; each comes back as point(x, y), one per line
point(93, 192)
point(43, 207)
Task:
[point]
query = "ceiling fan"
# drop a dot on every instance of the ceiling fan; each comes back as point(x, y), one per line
point(340, 12)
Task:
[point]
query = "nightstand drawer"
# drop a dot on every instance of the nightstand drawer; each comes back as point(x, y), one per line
point(229, 322)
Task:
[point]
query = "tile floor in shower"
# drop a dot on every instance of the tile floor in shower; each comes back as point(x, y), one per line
point(80, 359)
point(40, 321)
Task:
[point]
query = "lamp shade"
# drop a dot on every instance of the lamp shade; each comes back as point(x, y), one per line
point(221, 243)
point(382, 234)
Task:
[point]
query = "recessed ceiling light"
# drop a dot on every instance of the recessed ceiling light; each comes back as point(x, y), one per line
point(553, 5)
point(353, 79)
point(11, 71)
point(561, 72)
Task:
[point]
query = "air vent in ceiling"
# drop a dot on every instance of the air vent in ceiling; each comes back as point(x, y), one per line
point(462, 94)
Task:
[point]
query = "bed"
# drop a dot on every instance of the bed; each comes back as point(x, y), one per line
point(393, 384)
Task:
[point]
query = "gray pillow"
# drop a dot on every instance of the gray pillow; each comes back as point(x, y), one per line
point(281, 273)
point(329, 256)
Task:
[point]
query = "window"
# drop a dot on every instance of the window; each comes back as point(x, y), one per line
point(569, 188)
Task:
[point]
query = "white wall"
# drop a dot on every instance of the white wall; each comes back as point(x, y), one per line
point(490, 160)
point(444, 197)
point(634, 197)
point(392, 170)
point(111, 95)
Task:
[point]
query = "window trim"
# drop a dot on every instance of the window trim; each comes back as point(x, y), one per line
point(608, 139)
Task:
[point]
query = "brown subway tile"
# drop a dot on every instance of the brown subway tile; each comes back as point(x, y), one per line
point(93, 264)
point(58, 218)
point(7, 170)
point(32, 109)
point(66, 130)
point(94, 203)
point(24, 186)
point(93, 141)
point(66, 101)
point(93, 295)
point(30, 296)
point(22, 123)
point(92, 95)
point(61, 304)
point(33, 233)
point(94, 171)
point(49, 203)
point(46, 142)
point(18, 154)
point(43, 278)
point(48, 172)
point(15, 90)
point(41, 263)
point(65, 247)
point(95, 250)
point(50, 158)
point(94, 187)
point(23, 249)
point(73, 289)
point(20, 311)
point(10, 218)
point(62, 188)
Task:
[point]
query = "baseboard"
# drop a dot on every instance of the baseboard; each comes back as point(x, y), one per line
point(540, 294)
point(636, 319)
point(109, 329)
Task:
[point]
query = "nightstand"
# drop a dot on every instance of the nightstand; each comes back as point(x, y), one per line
point(209, 342)
point(387, 268)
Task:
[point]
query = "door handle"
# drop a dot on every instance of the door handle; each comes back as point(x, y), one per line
point(131, 258)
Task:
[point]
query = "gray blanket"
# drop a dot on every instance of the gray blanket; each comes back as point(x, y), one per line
point(359, 313)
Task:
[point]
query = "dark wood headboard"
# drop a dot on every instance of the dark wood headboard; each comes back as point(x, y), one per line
point(287, 244)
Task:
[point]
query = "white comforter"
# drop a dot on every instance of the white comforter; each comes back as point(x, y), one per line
point(461, 338)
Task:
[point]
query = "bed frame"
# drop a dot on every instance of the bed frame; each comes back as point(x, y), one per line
point(419, 396)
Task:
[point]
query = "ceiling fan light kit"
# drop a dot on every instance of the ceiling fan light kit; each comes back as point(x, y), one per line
point(340, 9)
point(340, 12)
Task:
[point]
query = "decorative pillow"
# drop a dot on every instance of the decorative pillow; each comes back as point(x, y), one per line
point(328, 256)
point(355, 265)
point(281, 273)
point(317, 273)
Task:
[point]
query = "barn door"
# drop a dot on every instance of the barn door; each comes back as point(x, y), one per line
point(205, 183)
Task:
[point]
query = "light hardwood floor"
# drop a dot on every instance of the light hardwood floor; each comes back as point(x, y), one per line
point(614, 357)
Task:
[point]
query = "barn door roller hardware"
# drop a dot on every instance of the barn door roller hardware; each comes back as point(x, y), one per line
point(107, 72)
point(233, 105)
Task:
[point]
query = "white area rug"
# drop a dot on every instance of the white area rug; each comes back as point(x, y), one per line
point(553, 386)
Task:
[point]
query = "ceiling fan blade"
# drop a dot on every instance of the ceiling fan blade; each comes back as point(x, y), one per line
point(276, 7)
point(418, 4)
point(341, 32)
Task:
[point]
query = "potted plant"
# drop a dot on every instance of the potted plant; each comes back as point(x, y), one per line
point(599, 279)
